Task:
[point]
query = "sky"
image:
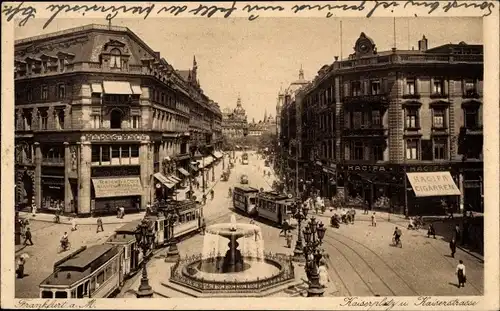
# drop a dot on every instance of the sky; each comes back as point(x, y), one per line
point(254, 59)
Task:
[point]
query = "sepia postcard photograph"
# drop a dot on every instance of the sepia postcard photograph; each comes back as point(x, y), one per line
point(254, 155)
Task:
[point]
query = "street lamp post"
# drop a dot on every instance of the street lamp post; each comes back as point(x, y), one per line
point(314, 233)
point(144, 237)
point(300, 214)
point(173, 251)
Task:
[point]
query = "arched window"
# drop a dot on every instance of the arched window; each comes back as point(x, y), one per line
point(116, 119)
point(115, 61)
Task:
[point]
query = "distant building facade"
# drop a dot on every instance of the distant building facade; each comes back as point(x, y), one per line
point(102, 121)
point(378, 120)
point(264, 126)
point(234, 122)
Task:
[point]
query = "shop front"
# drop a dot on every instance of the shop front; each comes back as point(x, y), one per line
point(52, 193)
point(329, 180)
point(109, 194)
point(382, 187)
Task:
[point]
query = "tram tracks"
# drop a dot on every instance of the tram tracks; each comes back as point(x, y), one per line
point(373, 281)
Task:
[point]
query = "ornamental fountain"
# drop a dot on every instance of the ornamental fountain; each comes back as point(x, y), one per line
point(233, 264)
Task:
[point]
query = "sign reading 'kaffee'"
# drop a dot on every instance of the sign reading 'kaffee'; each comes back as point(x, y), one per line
point(432, 184)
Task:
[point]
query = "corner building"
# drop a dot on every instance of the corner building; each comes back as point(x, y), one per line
point(99, 115)
point(377, 120)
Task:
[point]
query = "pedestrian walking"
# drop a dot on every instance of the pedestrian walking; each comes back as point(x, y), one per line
point(27, 237)
point(365, 211)
point(73, 224)
point(99, 225)
point(212, 194)
point(453, 247)
point(323, 273)
point(204, 199)
point(431, 231)
point(285, 228)
point(122, 212)
point(33, 210)
point(20, 268)
point(353, 214)
point(457, 233)
point(374, 220)
point(461, 274)
point(289, 240)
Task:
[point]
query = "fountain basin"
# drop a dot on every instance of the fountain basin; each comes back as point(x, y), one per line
point(261, 275)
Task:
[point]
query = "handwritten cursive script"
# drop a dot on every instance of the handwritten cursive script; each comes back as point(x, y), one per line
point(57, 304)
point(113, 10)
point(368, 8)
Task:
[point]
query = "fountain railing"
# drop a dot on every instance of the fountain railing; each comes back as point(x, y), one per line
point(286, 274)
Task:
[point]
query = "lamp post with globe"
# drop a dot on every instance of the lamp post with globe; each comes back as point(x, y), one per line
point(173, 251)
point(299, 212)
point(144, 238)
point(314, 233)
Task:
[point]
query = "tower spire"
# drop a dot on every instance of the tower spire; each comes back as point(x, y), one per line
point(301, 73)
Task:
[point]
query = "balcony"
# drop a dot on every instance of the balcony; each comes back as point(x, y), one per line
point(471, 94)
point(366, 131)
point(381, 99)
point(53, 161)
point(473, 130)
point(438, 95)
point(411, 96)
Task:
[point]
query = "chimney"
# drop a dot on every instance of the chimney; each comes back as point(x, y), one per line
point(422, 44)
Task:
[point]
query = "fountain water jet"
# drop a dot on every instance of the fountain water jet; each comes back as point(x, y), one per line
point(244, 268)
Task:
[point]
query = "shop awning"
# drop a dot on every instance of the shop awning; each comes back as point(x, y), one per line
point(136, 89)
point(117, 187)
point(174, 178)
point(96, 87)
point(164, 180)
point(217, 154)
point(205, 162)
point(183, 172)
point(117, 87)
point(431, 184)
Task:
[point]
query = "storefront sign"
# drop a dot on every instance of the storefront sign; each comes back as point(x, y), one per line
point(116, 171)
point(366, 168)
point(117, 187)
point(428, 168)
point(430, 184)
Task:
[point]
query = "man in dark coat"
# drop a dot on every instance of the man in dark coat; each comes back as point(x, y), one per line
point(99, 225)
point(453, 247)
point(27, 237)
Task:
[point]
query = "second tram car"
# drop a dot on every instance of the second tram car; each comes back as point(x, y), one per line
point(244, 199)
point(275, 207)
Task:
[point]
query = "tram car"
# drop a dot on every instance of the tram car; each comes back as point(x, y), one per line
point(275, 206)
point(93, 272)
point(244, 199)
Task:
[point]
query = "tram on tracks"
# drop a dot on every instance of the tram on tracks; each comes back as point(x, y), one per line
point(99, 271)
point(275, 207)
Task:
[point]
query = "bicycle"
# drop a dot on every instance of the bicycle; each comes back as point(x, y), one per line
point(397, 243)
point(64, 248)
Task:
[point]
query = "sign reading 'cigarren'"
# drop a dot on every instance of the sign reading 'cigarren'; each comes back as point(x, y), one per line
point(431, 184)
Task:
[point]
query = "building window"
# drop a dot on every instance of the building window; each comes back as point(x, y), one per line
point(45, 92)
point(60, 119)
point(358, 149)
point(412, 149)
point(29, 94)
point(411, 86)
point(61, 64)
point(135, 122)
point(471, 117)
point(378, 152)
point(44, 66)
point(375, 87)
point(61, 91)
point(115, 60)
point(96, 121)
point(411, 121)
point(440, 149)
point(438, 86)
point(44, 120)
point(469, 87)
point(357, 118)
point(356, 88)
point(376, 118)
point(438, 118)
point(116, 119)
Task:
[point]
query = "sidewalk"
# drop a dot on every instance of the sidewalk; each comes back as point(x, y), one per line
point(83, 221)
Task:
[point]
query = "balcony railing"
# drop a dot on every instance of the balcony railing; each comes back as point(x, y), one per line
point(369, 99)
point(366, 131)
point(58, 161)
point(408, 59)
point(471, 94)
point(438, 95)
